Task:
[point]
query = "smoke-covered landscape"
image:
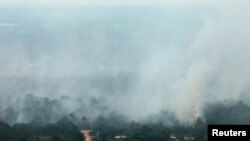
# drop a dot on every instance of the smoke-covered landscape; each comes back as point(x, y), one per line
point(134, 73)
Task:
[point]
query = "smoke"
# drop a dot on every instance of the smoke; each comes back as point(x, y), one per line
point(137, 62)
point(189, 104)
point(218, 66)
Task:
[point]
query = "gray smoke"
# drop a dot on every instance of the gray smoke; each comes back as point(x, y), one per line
point(134, 61)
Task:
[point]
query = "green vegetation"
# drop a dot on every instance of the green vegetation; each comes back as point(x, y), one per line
point(113, 127)
point(61, 131)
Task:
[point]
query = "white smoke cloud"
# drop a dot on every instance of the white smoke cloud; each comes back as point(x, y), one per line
point(218, 65)
point(189, 102)
point(146, 74)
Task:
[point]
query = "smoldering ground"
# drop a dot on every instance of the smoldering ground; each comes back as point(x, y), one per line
point(137, 62)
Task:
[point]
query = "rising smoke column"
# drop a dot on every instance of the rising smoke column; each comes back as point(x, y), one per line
point(131, 68)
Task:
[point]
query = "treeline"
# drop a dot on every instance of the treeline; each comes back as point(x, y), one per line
point(215, 113)
point(228, 113)
point(43, 119)
point(109, 127)
point(63, 130)
point(44, 110)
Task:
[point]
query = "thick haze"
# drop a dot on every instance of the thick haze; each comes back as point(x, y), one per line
point(220, 3)
point(134, 61)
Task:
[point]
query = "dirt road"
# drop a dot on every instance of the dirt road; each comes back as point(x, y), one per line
point(87, 135)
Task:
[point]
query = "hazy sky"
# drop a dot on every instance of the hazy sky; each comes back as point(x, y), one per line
point(125, 2)
point(165, 57)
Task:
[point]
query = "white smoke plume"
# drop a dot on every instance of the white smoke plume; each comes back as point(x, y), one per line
point(218, 65)
point(136, 62)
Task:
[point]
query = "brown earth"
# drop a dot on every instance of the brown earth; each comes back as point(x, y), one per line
point(87, 135)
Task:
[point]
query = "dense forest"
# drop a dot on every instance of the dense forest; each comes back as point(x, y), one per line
point(41, 125)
